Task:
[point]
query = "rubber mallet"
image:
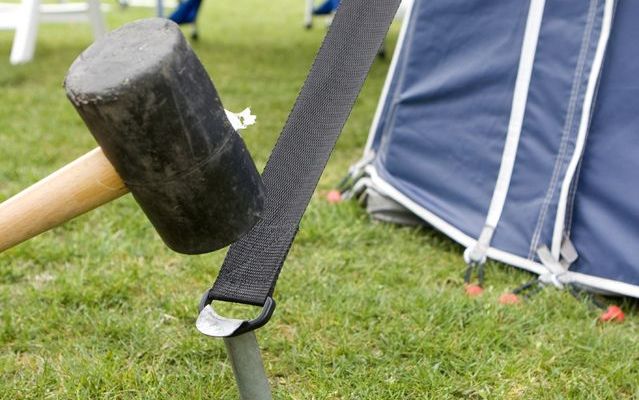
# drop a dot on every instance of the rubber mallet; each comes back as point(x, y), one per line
point(163, 135)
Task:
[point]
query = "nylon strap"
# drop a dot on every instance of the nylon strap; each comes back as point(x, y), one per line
point(253, 264)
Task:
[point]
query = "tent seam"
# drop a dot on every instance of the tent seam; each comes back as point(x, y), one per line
point(586, 112)
point(577, 85)
point(570, 201)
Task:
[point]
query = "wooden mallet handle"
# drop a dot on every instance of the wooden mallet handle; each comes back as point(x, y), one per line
point(76, 188)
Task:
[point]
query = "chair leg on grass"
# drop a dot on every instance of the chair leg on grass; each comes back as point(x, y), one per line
point(26, 32)
point(98, 25)
point(159, 8)
point(244, 353)
point(308, 14)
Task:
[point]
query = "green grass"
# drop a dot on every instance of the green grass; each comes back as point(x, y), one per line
point(100, 309)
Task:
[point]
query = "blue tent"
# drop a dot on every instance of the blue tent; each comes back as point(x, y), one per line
point(513, 127)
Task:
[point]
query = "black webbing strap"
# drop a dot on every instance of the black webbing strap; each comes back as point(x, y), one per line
point(253, 264)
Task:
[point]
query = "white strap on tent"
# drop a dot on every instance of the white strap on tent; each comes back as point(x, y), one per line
point(358, 167)
point(568, 252)
point(560, 219)
point(477, 253)
point(557, 274)
point(556, 270)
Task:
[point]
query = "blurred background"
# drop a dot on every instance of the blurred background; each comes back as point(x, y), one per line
point(99, 308)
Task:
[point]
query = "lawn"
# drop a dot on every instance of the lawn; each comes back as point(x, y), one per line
point(100, 309)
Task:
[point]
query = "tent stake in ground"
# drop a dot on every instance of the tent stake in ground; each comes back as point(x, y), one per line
point(248, 368)
point(253, 264)
point(104, 101)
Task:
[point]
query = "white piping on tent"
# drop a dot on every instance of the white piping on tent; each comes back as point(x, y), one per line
point(477, 252)
point(389, 76)
point(621, 288)
point(584, 125)
point(451, 231)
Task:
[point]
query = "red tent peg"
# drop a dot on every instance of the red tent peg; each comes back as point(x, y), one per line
point(612, 314)
point(473, 290)
point(509, 298)
point(334, 196)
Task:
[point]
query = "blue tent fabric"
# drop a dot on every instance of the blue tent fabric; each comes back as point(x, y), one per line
point(452, 115)
point(471, 86)
point(186, 12)
point(563, 61)
point(605, 220)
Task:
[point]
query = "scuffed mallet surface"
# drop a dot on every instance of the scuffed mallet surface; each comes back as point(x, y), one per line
point(152, 107)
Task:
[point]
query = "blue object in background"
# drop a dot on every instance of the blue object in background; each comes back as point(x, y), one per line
point(186, 12)
point(327, 7)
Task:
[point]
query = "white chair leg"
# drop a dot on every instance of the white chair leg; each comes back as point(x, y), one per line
point(160, 8)
point(308, 14)
point(96, 19)
point(26, 32)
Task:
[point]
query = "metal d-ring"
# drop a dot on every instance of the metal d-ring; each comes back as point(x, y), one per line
point(241, 346)
point(210, 323)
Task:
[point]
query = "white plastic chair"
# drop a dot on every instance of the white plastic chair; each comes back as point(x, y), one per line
point(25, 17)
